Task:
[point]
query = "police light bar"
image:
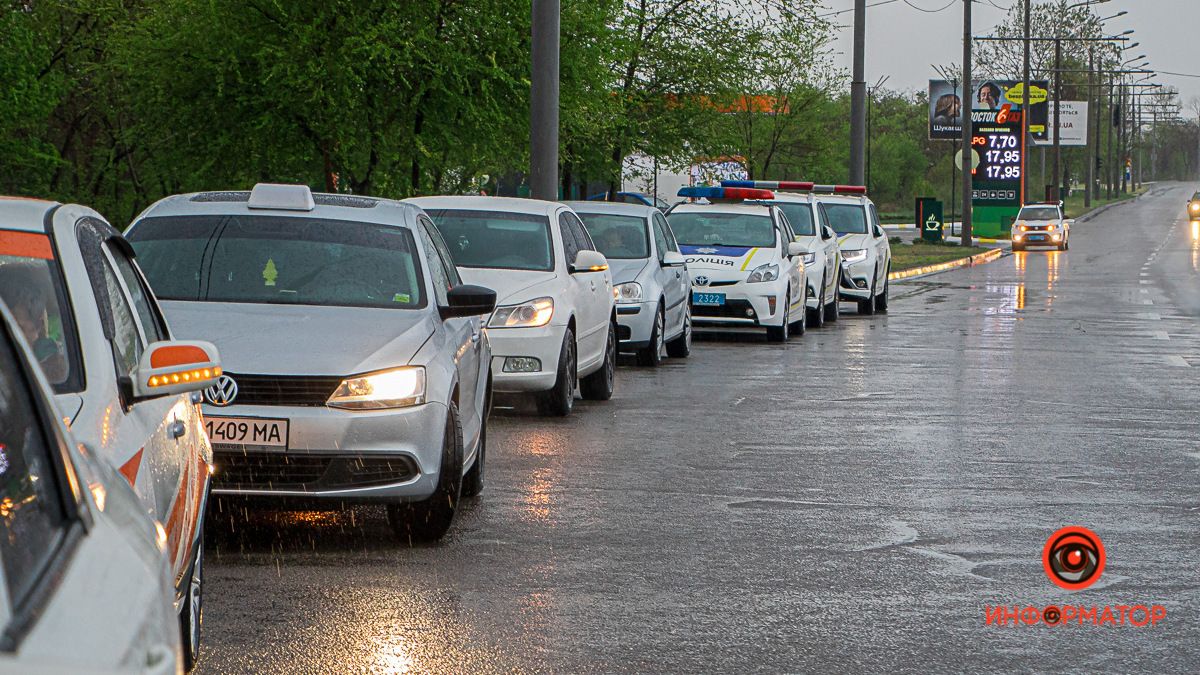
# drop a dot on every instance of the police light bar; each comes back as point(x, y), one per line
point(725, 193)
point(793, 185)
point(841, 189)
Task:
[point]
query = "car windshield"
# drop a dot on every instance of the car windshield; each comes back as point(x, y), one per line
point(661, 204)
point(620, 237)
point(847, 218)
point(32, 287)
point(800, 216)
point(699, 228)
point(1038, 213)
point(279, 260)
point(496, 239)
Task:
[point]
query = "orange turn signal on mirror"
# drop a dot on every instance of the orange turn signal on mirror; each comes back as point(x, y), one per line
point(183, 376)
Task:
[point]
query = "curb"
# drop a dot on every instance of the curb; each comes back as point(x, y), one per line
point(969, 261)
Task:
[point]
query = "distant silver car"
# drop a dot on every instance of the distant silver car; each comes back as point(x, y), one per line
point(357, 369)
point(651, 283)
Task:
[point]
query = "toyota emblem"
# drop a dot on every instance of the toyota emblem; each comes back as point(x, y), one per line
point(223, 392)
point(701, 280)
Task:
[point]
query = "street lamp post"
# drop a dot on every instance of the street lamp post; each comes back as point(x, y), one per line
point(543, 101)
point(966, 125)
point(858, 91)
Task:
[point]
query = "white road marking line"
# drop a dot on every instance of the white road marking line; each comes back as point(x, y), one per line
point(1176, 360)
point(1160, 335)
point(1149, 316)
point(1147, 301)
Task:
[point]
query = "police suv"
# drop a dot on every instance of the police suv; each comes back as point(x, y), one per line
point(747, 267)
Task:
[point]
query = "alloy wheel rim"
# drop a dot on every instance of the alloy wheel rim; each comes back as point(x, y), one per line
point(195, 598)
point(660, 343)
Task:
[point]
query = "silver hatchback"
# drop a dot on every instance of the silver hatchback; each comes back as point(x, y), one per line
point(356, 366)
point(651, 284)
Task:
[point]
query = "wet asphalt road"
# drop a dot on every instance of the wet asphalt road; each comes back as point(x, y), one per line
point(851, 500)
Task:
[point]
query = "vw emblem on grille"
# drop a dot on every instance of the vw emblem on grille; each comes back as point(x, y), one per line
point(223, 392)
point(701, 280)
point(706, 250)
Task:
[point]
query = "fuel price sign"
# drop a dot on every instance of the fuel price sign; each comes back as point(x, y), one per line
point(997, 180)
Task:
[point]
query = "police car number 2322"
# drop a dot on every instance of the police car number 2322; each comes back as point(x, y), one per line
point(252, 431)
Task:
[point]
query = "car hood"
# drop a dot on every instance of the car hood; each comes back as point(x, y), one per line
point(302, 339)
point(725, 258)
point(850, 242)
point(626, 270)
point(510, 285)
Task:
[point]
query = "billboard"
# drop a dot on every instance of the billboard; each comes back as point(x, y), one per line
point(1072, 124)
point(994, 102)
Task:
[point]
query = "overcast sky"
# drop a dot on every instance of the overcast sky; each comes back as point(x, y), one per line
point(903, 42)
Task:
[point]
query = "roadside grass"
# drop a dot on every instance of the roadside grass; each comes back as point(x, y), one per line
point(906, 256)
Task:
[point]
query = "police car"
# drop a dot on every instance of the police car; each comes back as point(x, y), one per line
point(823, 262)
point(747, 267)
point(1041, 225)
point(866, 252)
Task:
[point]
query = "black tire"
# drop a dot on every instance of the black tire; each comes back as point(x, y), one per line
point(599, 385)
point(560, 399)
point(652, 354)
point(1018, 247)
point(1063, 246)
point(681, 346)
point(191, 610)
point(782, 332)
point(867, 307)
point(881, 300)
point(474, 478)
point(430, 518)
point(800, 327)
point(816, 317)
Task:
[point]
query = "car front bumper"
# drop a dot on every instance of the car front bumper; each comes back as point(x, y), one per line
point(635, 323)
point(856, 279)
point(370, 455)
point(759, 304)
point(1042, 238)
point(543, 343)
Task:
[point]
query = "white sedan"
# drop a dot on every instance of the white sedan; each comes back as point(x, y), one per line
point(866, 251)
point(130, 391)
point(555, 325)
point(1041, 225)
point(84, 584)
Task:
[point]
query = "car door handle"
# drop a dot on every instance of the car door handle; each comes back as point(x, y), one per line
point(475, 336)
point(678, 274)
point(177, 429)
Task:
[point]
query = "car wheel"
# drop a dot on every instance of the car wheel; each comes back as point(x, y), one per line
point(681, 347)
point(881, 300)
point(473, 480)
point(430, 518)
point(652, 354)
point(782, 332)
point(816, 317)
point(1063, 246)
point(867, 306)
point(191, 614)
point(1018, 247)
point(560, 399)
point(599, 385)
point(798, 328)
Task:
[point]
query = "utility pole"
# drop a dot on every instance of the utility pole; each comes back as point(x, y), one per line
point(543, 101)
point(1026, 107)
point(966, 124)
point(858, 97)
point(1057, 117)
point(1108, 125)
point(1091, 165)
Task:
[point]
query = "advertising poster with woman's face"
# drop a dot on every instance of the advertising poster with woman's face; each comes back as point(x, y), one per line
point(946, 104)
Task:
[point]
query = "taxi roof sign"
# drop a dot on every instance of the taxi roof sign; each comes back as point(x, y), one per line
point(281, 197)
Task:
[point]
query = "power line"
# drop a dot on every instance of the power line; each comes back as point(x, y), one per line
point(910, 4)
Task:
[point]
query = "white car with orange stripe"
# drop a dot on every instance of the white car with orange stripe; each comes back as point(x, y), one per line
point(129, 391)
point(747, 268)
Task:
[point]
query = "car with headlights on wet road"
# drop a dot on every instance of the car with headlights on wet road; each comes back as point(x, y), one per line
point(356, 362)
point(1041, 225)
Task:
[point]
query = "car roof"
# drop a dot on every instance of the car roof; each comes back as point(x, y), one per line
point(614, 208)
point(329, 206)
point(24, 213)
point(738, 207)
point(536, 207)
point(858, 200)
point(793, 197)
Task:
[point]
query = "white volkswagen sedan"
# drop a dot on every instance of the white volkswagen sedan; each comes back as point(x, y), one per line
point(866, 251)
point(554, 325)
point(651, 281)
point(128, 388)
point(84, 582)
point(357, 370)
point(823, 261)
point(747, 268)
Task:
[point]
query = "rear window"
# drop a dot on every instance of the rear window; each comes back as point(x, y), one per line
point(32, 286)
point(800, 216)
point(619, 237)
point(279, 260)
point(496, 239)
point(847, 218)
point(698, 228)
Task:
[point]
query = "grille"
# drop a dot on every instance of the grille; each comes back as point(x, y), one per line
point(280, 471)
point(722, 283)
point(299, 390)
point(731, 309)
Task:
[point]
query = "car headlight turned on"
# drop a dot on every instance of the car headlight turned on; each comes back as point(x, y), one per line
point(854, 255)
point(809, 259)
point(1195, 207)
point(767, 272)
point(630, 291)
point(525, 315)
point(395, 388)
point(1022, 227)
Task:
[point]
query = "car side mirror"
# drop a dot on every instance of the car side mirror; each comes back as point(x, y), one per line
point(826, 233)
point(673, 259)
point(466, 300)
point(172, 367)
point(795, 248)
point(589, 261)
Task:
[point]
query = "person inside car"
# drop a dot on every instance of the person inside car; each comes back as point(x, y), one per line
point(25, 288)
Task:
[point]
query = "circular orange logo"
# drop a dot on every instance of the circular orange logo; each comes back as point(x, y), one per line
point(1073, 558)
